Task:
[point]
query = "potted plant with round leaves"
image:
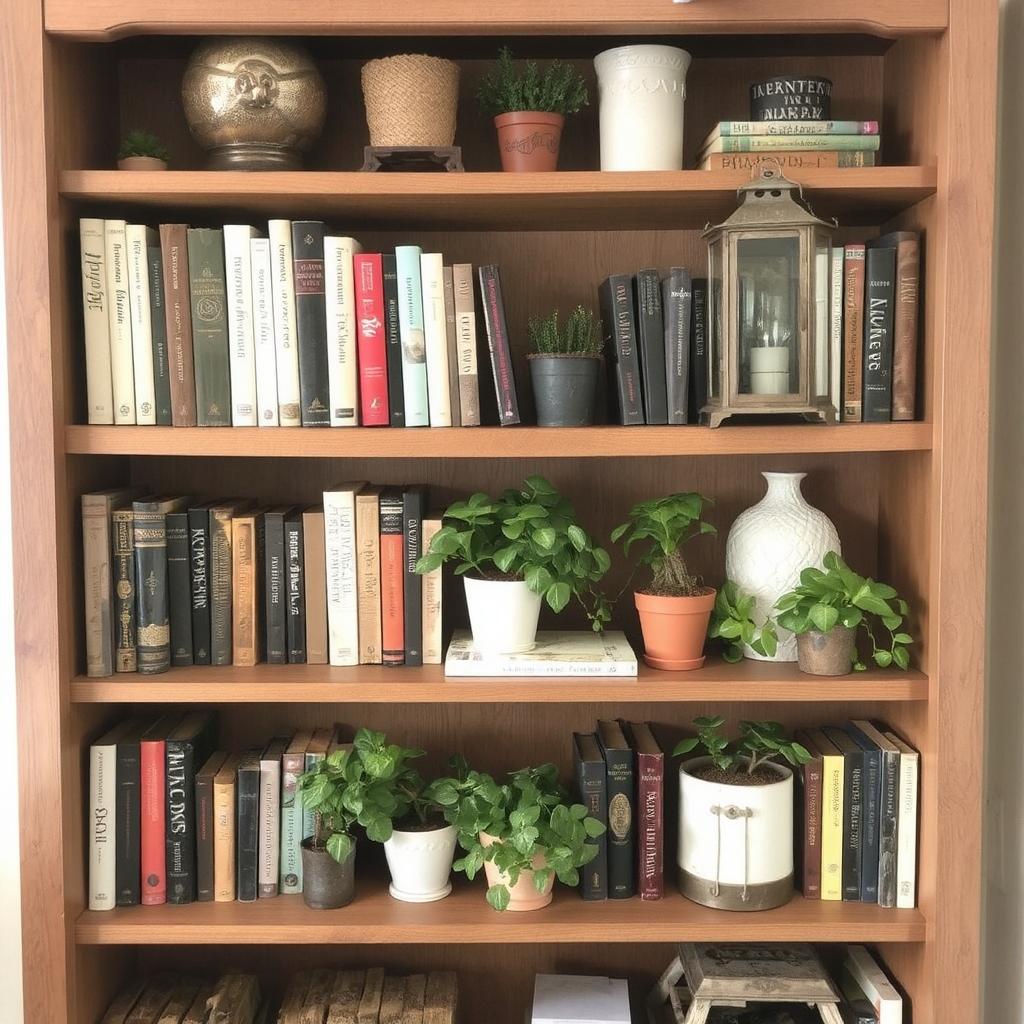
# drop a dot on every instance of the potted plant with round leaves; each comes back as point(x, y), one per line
point(675, 606)
point(513, 552)
point(529, 108)
point(733, 625)
point(735, 849)
point(565, 367)
point(142, 151)
point(825, 611)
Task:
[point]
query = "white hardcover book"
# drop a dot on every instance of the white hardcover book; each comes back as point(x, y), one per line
point(342, 592)
point(102, 823)
point(410, 332)
point(906, 829)
point(579, 999)
point(241, 344)
point(122, 371)
point(98, 381)
point(342, 345)
point(822, 321)
point(876, 986)
point(285, 330)
point(138, 238)
point(435, 338)
point(268, 858)
point(556, 653)
point(835, 353)
point(263, 332)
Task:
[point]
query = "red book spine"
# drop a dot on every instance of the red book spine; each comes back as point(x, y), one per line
point(650, 826)
point(373, 371)
point(153, 810)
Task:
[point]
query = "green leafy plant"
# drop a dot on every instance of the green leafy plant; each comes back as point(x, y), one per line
point(661, 527)
point(731, 623)
point(140, 143)
point(580, 335)
point(839, 596)
point(528, 815)
point(559, 89)
point(531, 534)
point(759, 743)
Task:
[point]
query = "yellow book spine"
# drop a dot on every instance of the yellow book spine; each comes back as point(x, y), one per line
point(832, 827)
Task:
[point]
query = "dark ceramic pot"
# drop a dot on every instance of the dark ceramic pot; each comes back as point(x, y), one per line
point(565, 389)
point(791, 98)
point(826, 654)
point(326, 884)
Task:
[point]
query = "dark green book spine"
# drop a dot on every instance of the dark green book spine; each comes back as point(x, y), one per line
point(621, 823)
point(311, 321)
point(396, 389)
point(593, 792)
point(152, 612)
point(199, 555)
point(651, 340)
point(247, 828)
point(220, 587)
point(179, 585)
point(209, 326)
point(412, 529)
point(275, 588)
point(127, 820)
point(161, 362)
point(296, 589)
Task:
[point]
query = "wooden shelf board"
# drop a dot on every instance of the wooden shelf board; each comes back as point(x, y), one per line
point(497, 442)
point(561, 200)
point(464, 917)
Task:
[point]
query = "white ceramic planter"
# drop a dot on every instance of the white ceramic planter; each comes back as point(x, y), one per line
point(642, 90)
point(735, 842)
point(503, 615)
point(420, 864)
point(770, 544)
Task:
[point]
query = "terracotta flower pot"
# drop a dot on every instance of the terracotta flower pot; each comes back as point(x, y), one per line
point(141, 163)
point(674, 629)
point(528, 140)
point(326, 884)
point(826, 654)
point(524, 894)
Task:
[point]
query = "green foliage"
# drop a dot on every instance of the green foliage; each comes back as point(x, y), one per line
point(140, 143)
point(661, 527)
point(731, 623)
point(527, 534)
point(530, 814)
point(579, 337)
point(839, 596)
point(758, 744)
point(559, 89)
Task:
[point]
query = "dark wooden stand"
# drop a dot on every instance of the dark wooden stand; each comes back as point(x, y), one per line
point(412, 158)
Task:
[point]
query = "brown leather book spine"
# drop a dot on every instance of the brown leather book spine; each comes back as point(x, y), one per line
point(178, 312)
point(904, 353)
point(246, 571)
point(315, 564)
point(853, 333)
point(808, 818)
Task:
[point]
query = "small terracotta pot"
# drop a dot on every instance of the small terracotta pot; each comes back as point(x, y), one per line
point(674, 629)
point(141, 163)
point(826, 654)
point(528, 140)
point(326, 884)
point(523, 895)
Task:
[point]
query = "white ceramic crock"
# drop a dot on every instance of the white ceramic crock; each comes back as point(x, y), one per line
point(503, 615)
point(420, 864)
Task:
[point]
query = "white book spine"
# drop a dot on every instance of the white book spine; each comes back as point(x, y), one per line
point(98, 381)
point(268, 857)
point(822, 321)
point(285, 331)
point(906, 832)
point(138, 237)
point(342, 595)
point(436, 339)
point(102, 830)
point(241, 346)
point(122, 373)
point(433, 644)
point(875, 984)
point(342, 359)
point(263, 332)
point(410, 330)
point(836, 347)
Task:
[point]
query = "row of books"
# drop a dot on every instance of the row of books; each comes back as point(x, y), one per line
point(744, 145)
point(858, 807)
point(173, 581)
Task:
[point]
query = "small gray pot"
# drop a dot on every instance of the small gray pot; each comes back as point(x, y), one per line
point(326, 884)
point(826, 654)
point(565, 389)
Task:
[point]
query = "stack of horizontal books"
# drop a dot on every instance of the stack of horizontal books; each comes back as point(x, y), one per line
point(744, 145)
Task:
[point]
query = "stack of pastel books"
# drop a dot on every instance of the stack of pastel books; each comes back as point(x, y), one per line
point(744, 145)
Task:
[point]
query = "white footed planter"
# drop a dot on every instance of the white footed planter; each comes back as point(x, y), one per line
point(770, 544)
point(503, 615)
point(642, 90)
point(735, 842)
point(420, 864)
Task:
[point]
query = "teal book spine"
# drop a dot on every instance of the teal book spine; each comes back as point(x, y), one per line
point(783, 143)
point(410, 329)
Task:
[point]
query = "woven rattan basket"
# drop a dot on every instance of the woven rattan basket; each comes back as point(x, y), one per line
point(411, 100)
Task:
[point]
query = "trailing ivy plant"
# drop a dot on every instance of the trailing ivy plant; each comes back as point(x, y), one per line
point(731, 623)
point(559, 89)
point(140, 143)
point(529, 533)
point(580, 335)
point(839, 596)
point(759, 743)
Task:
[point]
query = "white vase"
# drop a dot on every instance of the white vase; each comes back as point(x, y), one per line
point(642, 90)
point(770, 544)
point(735, 847)
point(420, 863)
point(503, 615)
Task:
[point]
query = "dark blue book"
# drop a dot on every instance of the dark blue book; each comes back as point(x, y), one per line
point(872, 813)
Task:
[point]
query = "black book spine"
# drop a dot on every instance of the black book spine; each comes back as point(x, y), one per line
point(204, 837)
point(396, 389)
point(889, 811)
point(853, 823)
point(274, 588)
point(161, 362)
point(199, 565)
point(590, 778)
point(677, 299)
point(181, 822)
point(498, 346)
point(871, 838)
point(698, 349)
point(179, 586)
point(651, 340)
point(152, 614)
point(621, 823)
point(128, 821)
point(879, 304)
point(311, 321)
point(295, 590)
point(412, 547)
point(617, 316)
point(248, 829)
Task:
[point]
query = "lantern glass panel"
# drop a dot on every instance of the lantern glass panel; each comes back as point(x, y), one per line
point(715, 325)
point(768, 280)
point(821, 343)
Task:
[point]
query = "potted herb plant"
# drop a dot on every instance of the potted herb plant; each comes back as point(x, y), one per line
point(565, 366)
point(735, 847)
point(732, 623)
point(142, 151)
point(524, 834)
point(825, 611)
point(675, 605)
point(514, 551)
point(529, 108)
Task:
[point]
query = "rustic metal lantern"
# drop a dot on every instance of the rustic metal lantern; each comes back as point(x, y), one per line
point(769, 281)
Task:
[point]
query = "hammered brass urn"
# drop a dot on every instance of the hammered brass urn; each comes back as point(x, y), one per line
point(254, 104)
